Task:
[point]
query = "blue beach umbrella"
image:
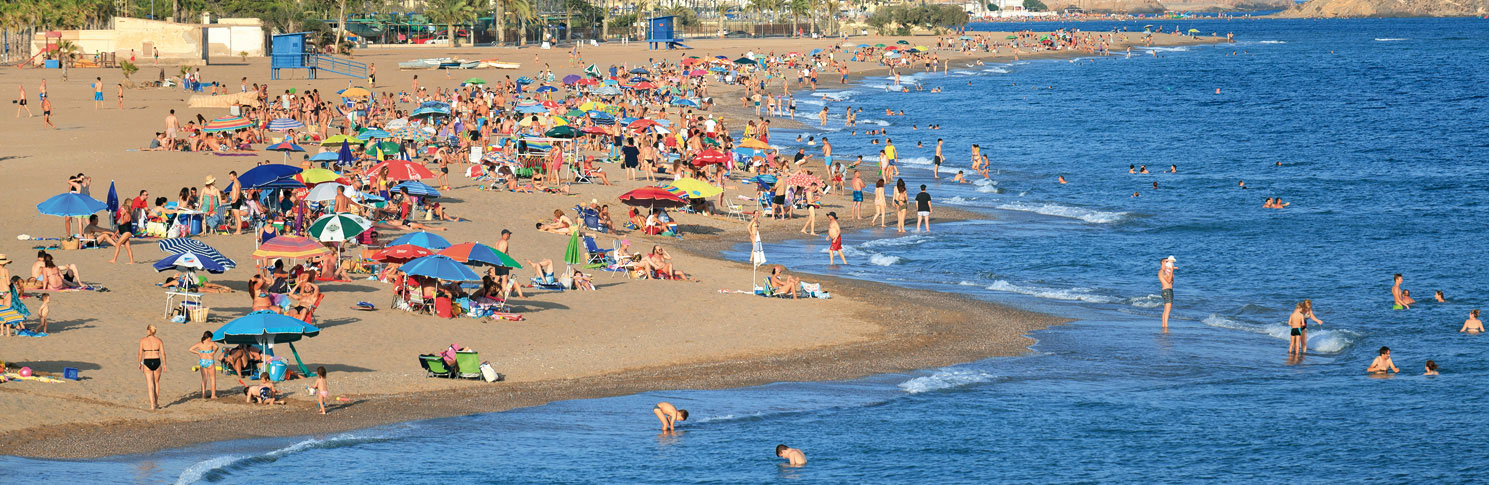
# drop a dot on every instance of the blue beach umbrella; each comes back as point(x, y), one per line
point(428, 112)
point(325, 157)
point(815, 52)
point(524, 80)
point(70, 204)
point(285, 124)
point(373, 133)
point(422, 239)
point(546, 89)
point(189, 261)
point(179, 245)
point(264, 174)
point(344, 155)
point(440, 268)
point(640, 70)
point(418, 188)
point(112, 201)
point(282, 183)
point(264, 328)
point(435, 104)
point(685, 102)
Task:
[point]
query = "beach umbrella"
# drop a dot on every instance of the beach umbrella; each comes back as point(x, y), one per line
point(373, 133)
point(891, 54)
point(326, 192)
point(718, 69)
point(344, 155)
point(571, 79)
point(428, 112)
point(189, 261)
point(815, 52)
point(573, 253)
point(588, 82)
point(475, 80)
point(338, 227)
point(285, 124)
point(337, 140)
point(354, 93)
point(418, 188)
point(70, 204)
point(401, 253)
point(764, 180)
point(685, 102)
point(524, 80)
point(264, 328)
point(754, 143)
point(691, 187)
point(964, 37)
point(111, 202)
point(546, 89)
point(640, 70)
point(286, 147)
point(324, 157)
point(477, 253)
point(595, 130)
point(317, 176)
point(902, 42)
point(439, 267)
point(864, 45)
point(396, 124)
point(402, 170)
point(607, 91)
point(561, 132)
point(258, 176)
point(227, 123)
point(291, 247)
point(696, 73)
point(179, 245)
point(652, 197)
point(709, 157)
point(281, 183)
point(422, 239)
point(411, 133)
point(644, 86)
point(803, 180)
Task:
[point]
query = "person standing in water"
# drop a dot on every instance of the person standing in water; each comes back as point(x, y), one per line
point(1398, 297)
point(1382, 363)
point(1472, 325)
point(1166, 280)
point(793, 456)
point(669, 415)
point(151, 356)
point(1308, 315)
point(1295, 323)
point(834, 238)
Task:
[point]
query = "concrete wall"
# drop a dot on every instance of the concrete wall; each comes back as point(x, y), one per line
point(178, 43)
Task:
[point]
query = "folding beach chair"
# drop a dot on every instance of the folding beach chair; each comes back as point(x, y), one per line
point(468, 364)
point(596, 255)
point(434, 366)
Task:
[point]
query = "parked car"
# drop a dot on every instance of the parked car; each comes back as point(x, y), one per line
point(737, 34)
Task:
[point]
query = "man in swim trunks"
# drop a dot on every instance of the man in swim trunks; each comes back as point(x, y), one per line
point(826, 153)
point(669, 415)
point(858, 185)
point(98, 93)
point(834, 238)
point(1398, 297)
point(936, 161)
point(1295, 324)
point(793, 456)
point(1166, 280)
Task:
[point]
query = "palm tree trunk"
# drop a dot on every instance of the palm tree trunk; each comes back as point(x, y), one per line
point(340, 24)
point(568, 22)
point(500, 21)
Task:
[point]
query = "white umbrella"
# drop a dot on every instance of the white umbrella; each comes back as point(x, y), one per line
point(327, 192)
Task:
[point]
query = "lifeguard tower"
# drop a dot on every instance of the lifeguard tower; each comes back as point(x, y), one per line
point(289, 51)
point(659, 30)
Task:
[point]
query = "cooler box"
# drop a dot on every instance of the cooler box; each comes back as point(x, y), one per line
point(51, 64)
point(276, 370)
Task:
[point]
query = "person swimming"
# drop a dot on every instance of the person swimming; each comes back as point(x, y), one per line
point(1431, 369)
point(1382, 363)
point(1472, 325)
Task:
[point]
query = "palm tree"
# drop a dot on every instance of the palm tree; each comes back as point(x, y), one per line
point(797, 8)
point(448, 12)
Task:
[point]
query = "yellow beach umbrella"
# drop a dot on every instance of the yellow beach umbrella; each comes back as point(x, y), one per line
point(756, 144)
point(355, 93)
point(695, 188)
point(336, 141)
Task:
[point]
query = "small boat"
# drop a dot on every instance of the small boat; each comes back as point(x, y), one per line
point(424, 63)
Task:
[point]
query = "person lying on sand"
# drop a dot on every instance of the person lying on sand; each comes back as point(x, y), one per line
point(561, 224)
point(199, 284)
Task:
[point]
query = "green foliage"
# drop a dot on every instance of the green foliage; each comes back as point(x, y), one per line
point(1035, 6)
point(992, 7)
point(449, 12)
point(905, 17)
point(128, 68)
point(686, 17)
point(623, 22)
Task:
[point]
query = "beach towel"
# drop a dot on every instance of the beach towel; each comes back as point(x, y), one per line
point(235, 154)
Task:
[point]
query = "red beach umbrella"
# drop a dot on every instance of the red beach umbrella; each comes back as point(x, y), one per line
point(402, 170)
point(401, 253)
point(709, 157)
point(652, 197)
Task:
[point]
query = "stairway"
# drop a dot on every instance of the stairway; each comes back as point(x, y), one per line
point(336, 65)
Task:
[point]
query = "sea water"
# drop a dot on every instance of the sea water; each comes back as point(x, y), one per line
point(1382, 144)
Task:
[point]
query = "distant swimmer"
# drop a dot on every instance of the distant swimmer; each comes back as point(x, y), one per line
point(1472, 325)
point(669, 415)
point(1166, 281)
point(1173, 169)
point(1431, 368)
point(1398, 296)
point(1155, 185)
point(1242, 184)
point(1132, 169)
point(1142, 169)
point(793, 456)
point(1382, 363)
point(1061, 179)
point(1437, 295)
point(1406, 297)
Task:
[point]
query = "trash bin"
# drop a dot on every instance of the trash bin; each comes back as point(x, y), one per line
point(276, 370)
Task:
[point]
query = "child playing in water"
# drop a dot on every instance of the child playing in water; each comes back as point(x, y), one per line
point(320, 388)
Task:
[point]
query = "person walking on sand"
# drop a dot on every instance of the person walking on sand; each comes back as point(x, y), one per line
point(922, 210)
point(320, 390)
point(858, 186)
point(1295, 324)
point(811, 203)
point(1166, 280)
point(206, 362)
point(793, 456)
point(46, 113)
point(21, 104)
point(1398, 297)
point(151, 356)
point(121, 95)
point(1382, 363)
point(834, 238)
point(880, 214)
point(669, 415)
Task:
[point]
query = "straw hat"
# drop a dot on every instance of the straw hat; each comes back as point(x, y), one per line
point(4, 260)
point(211, 180)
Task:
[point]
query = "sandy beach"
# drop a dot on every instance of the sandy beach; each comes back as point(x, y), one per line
point(630, 336)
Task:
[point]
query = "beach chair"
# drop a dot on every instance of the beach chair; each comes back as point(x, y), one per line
point(596, 255)
point(736, 211)
point(434, 366)
point(579, 175)
point(592, 222)
point(310, 312)
point(548, 284)
point(468, 364)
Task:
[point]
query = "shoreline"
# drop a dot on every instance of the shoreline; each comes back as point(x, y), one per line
point(931, 330)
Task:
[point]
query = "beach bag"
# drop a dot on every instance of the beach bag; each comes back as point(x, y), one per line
point(489, 373)
point(70, 244)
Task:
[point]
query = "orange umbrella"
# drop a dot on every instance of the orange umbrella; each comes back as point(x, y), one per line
point(292, 247)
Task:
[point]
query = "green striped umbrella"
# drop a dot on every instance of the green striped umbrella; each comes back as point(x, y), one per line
point(338, 227)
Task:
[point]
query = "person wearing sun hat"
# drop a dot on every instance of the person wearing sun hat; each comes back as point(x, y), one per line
point(211, 203)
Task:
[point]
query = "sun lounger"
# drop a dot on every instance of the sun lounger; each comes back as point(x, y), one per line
point(469, 364)
point(434, 366)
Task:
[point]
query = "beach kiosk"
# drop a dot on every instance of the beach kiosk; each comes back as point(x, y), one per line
point(660, 30)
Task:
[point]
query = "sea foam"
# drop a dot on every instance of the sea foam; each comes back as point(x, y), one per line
point(1068, 294)
point(945, 379)
point(1089, 215)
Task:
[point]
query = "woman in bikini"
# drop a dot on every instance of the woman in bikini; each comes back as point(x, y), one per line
point(901, 199)
point(206, 352)
point(879, 212)
point(151, 356)
point(55, 278)
point(257, 290)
